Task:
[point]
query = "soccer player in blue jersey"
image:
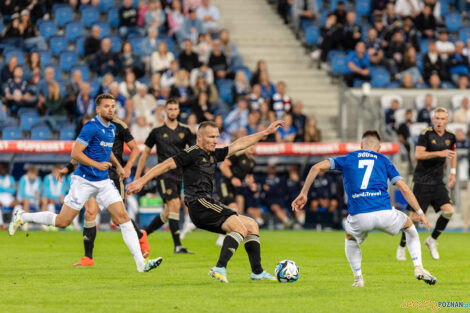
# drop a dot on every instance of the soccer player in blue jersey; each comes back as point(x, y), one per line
point(366, 173)
point(92, 150)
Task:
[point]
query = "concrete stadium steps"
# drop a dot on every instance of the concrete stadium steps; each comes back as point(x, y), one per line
point(259, 33)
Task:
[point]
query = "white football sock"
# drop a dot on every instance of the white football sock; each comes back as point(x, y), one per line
point(354, 255)
point(44, 218)
point(75, 222)
point(187, 218)
point(51, 207)
point(414, 245)
point(132, 241)
point(132, 207)
point(1, 216)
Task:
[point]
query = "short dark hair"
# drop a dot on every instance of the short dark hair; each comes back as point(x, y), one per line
point(371, 133)
point(207, 124)
point(171, 101)
point(102, 97)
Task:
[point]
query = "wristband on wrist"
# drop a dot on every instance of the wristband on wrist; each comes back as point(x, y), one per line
point(70, 167)
point(453, 171)
point(419, 212)
point(230, 178)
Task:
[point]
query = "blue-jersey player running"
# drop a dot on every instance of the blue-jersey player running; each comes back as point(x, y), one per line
point(93, 151)
point(366, 173)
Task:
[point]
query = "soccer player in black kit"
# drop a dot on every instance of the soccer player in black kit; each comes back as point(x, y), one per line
point(122, 136)
point(170, 138)
point(235, 170)
point(435, 145)
point(199, 163)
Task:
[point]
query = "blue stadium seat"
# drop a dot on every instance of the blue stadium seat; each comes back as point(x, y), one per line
point(464, 34)
point(453, 21)
point(333, 53)
point(40, 133)
point(116, 43)
point(11, 133)
point(47, 29)
point(380, 77)
point(225, 90)
point(319, 4)
point(57, 44)
point(105, 29)
point(323, 16)
point(171, 45)
point(44, 57)
point(362, 7)
point(28, 120)
point(67, 133)
point(90, 16)
point(62, 85)
point(18, 53)
point(56, 6)
point(105, 5)
point(312, 33)
point(1, 26)
point(23, 111)
point(94, 87)
point(67, 60)
point(63, 15)
point(137, 43)
point(393, 85)
point(422, 85)
point(447, 85)
point(79, 45)
point(338, 64)
point(73, 30)
point(423, 46)
point(365, 29)
point(144, 80)
point(113, 16)
point(82, 68)
point(304, 24)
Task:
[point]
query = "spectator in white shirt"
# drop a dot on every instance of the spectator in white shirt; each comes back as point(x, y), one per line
point(406, 8)
point(444, 46)
point(209, 15)
point(462, 115)
point(140, 129)
point(161, 59)
point(144, 103)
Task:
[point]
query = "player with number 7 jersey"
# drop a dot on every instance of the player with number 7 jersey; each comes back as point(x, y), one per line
point(366, 173)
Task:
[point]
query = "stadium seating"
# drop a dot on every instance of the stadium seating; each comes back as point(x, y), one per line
point(362, 7)
point(27, 120)
point(105, 5)
point(113, 16)
point(338, 63)
point(137, 43)
point(105, 29)
point(312, 34)
point(73, 30)
point(45, 57)
point(18, 53)
point(11, 133)
point(464, 34)
point(57, 44)
point(380, 77)
point(67, 60)
point(453, 21)
point(63, 15)
point(82, 68)
point(80, 45)
point(116, 43)
point(40, 133)
point(90, 16)
point(47, 29)
point(67, 133)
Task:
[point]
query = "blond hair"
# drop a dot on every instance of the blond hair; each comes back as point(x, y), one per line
point(441, 109)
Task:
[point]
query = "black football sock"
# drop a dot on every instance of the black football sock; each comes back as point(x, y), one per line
point(231, 242)
point(157, 222)
point(441, 224)
point(403, 240)
point(89, 235)
point(137, 230)
point(253, 249)
point(174, 222)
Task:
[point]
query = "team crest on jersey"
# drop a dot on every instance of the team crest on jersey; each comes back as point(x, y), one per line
point(204, 160)
point(165, 135)
point(433, 141)
point(169, 191)
point(212, 159)
point(243, 161)
point(447, 142)
point(181, 135)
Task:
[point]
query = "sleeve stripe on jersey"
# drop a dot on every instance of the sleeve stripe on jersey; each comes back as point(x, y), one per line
point(332, 163)
point(395, 179)
point(83, 142)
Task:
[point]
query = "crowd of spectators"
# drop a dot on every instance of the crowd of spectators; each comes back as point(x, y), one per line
point(182, 52)
point(392, 43)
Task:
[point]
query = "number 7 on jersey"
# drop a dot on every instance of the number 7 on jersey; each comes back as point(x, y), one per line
point(369, 164)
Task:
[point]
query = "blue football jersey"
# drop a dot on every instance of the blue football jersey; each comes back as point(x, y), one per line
point(365, 175)
point(98, 139)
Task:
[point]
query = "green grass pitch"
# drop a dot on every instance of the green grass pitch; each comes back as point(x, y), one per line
point(36, 275)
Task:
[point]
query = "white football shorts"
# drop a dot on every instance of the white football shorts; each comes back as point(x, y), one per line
point(81, 190)
point(388, 221)
point(6, 199)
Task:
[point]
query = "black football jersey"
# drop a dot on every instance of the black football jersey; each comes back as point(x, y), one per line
point(123, 135)
point(431, 172)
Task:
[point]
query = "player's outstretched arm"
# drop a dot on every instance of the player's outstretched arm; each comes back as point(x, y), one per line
point(80, 157)
point(157, 170)
point(142, 161)
point(245, 142)
point(422, 154)
point(411, 199)
point(301, 199)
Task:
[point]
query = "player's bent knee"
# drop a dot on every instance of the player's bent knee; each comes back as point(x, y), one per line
point(409, 223)
point(349, 237)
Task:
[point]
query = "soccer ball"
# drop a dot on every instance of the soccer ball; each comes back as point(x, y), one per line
point(287, 271)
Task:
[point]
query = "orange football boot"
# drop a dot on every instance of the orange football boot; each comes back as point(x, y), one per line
point(144, 244)
point(85, 261)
